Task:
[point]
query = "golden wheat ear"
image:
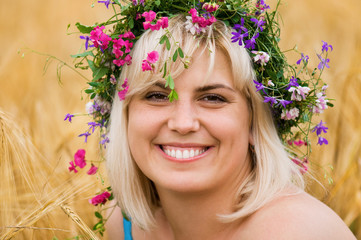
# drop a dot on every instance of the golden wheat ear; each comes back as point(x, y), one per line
point(34, 197)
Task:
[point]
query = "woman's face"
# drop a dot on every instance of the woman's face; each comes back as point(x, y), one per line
point(198, 142)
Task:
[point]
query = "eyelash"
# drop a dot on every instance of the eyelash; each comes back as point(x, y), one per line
point(213, 98)
point(156, 96)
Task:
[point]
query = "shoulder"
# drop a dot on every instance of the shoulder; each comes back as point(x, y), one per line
point(296, 216)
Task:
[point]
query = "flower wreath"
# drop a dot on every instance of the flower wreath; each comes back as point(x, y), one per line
point(294, 93)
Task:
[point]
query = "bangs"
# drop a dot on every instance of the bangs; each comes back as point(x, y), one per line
point(210, 42)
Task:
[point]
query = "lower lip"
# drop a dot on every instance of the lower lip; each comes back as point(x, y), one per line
point(184, 160)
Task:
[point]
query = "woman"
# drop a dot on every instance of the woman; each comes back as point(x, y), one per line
point(209, 165)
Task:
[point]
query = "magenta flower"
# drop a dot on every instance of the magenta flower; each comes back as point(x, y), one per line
point(93, 170)
point(100, 199)
point(153, 57)
point(68, 117)
point(302, 163)
point(79, 158)
point(149, 16)
point(99, 38)
point(122, 93)
point(72, 167)
point(146, 66)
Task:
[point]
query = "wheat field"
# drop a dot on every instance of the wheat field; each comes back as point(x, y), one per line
point(39, 199)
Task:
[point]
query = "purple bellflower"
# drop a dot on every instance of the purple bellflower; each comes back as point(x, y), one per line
point(320, 128)
point(293, 83)
point(303, 58)
point(323, 62)
point(284, 103)
point(326, 46)
point(87, 39)
point(106, 3)
point(322, 140)
point(86, 135)
point(258, 23)
point(238, 36)
point(271, 100)
point(68, 117)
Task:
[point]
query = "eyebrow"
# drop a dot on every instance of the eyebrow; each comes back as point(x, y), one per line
point(205, 88)
point(213, 86)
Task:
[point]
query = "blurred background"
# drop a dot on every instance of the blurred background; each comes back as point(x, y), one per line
point(39, 199)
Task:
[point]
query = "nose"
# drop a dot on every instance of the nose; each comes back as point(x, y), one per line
point(184, 117)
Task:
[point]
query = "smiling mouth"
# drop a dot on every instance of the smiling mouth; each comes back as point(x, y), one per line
point(183, 153)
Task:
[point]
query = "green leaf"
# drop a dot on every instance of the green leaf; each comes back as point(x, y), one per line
point(93, 96)
point(89, 91)
point(98, 215)
point(169, 82)
point(84, 54)
point(162, 39)
point(180, 52)
point(157, 2)
point(99, 73)
point(84, 28)
point(165, 69)
point(93, 84)
point(329, 104)
point(173, 96)
point(167, 44)
point(117, 2)
point(175, 56)
point(131, 22)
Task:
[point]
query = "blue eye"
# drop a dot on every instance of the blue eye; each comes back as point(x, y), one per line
point(156, 96)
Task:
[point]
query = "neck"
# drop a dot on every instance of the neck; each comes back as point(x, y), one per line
point(195, 216)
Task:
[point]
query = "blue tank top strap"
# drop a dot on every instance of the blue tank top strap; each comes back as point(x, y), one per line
point(127, 226)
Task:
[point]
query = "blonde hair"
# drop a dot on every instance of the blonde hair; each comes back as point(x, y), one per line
point(272, 168)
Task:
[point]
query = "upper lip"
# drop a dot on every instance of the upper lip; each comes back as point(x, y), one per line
point(184, 145)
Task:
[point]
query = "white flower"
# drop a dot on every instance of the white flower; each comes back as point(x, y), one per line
point(261, 58)
point(321, 103)
point(299, 93)
point(290, 114)
point(89, 107)
point(270, 83)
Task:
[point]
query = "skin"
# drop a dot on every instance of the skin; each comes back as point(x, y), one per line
point(214, 116)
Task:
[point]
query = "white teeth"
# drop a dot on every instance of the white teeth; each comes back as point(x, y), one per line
point(178, 154)
point(191, 153)
point(183, 154)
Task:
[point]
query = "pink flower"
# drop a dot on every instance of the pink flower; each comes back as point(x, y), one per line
point(99, 38)
point(299, 143)
point(290, 114)
point(210, 7)
point(122, 93)
point(149, 16)
point(100, 199)
point(146, 25)
point(303, 164)
point(146, 66)
point(153, 57)
point(72, 167)
point(128, 35)
point(261, 58)
point(79, 158)
point(93, 170)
